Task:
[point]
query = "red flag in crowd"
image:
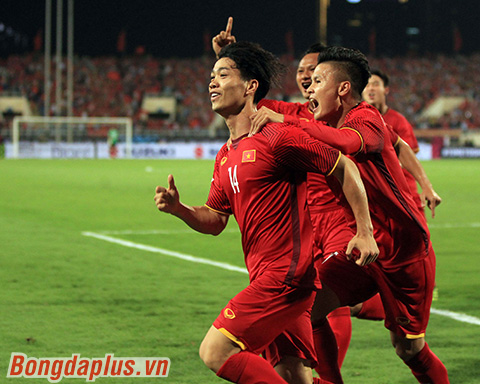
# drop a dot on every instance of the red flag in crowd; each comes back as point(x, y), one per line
point(122, 41)
point(38, 41)
point(372, 41)
point(457, 39)
point(289, 42)
point(207, 42)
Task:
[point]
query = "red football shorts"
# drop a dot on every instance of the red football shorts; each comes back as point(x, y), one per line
point(406, 291)
point(331, 232)
point(268, 311)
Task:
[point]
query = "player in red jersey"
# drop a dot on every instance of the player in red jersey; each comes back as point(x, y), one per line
point(261, 180)
point(331, 231)
point(375, 93)
point(404, 272)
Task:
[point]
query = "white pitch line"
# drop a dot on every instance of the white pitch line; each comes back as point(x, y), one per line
point(130, 244)
point(166, 252)
point(158, 232)
point(456, 316)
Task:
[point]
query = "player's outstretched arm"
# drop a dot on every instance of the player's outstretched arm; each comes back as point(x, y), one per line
point(223, 38)
point(199, 218)
point(363, 242)
point(411, 163)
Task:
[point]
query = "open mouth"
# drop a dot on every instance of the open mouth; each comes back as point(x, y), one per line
point(313, 104)
point(214, 96)
point(306, 84)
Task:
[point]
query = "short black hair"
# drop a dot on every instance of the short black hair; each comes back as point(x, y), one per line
point(254, 62)
point(352, 62)
point(314, 48)
point(382, 75)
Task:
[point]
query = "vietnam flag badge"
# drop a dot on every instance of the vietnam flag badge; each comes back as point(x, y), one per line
point(249, 156)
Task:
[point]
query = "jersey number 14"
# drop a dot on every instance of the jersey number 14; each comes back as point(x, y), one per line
point(233, 179)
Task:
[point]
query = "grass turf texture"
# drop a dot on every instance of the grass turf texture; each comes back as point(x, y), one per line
point(64, 293)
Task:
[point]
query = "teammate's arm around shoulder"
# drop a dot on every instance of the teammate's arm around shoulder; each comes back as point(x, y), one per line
point(199, 218)
point(363, 242)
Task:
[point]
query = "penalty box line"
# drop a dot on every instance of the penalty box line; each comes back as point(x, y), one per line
point(462, 317)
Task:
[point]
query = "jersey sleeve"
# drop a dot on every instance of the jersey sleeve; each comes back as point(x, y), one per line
point(346, 140)
point(405, 131)
point(394, 137)
point(294, 149)
point(291, 111)
point(370, 127)
point(217, 199)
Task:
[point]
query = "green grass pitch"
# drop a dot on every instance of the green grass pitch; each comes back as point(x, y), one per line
point(64, 293)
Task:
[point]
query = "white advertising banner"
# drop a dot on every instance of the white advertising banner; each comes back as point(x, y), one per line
point(29, 150)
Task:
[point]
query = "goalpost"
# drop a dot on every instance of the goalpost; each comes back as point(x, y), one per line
point(68, 132)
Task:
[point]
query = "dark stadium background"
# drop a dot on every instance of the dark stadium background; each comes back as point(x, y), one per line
point(183, 27)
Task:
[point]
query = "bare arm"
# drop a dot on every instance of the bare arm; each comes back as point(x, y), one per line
point(410, 162)
point(199, 218)
point(347, 174)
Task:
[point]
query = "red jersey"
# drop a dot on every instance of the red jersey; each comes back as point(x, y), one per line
point(261, 180)
point(319, 195)
point(399, 227)
point(405, 130)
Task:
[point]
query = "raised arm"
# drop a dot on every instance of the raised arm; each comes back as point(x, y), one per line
point(367, 250)
point(411, 163)
point(223, 38)
point(199, 218)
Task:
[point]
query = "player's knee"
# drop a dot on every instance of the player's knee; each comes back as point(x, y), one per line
point(407, 349)
point(211, 356)
point(355, 310)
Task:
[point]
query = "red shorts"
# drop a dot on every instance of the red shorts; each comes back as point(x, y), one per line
point(406, 291)
point(268, 311)
point(331, 232)
point(293, 342)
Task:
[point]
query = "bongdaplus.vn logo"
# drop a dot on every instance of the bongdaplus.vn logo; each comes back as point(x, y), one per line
point(55, 369)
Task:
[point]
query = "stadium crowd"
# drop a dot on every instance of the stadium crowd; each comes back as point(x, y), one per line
point(115, 86)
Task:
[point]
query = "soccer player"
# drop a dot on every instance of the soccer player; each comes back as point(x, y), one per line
point(331, 230)
point(261, 180)
point(375, 93)
point(404, 273)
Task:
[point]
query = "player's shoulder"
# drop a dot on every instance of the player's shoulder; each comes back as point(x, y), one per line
point(223, 150)
point(365, 112)
point(276, 129)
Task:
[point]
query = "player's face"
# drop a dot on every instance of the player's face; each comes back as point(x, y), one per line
point(226, 88)
point(375, 91)
point(305, 71)
point(324, 99)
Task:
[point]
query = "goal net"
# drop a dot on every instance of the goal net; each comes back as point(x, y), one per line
point(70, 137)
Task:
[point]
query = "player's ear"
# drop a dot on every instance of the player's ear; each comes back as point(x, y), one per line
point(251, 87)
point(387, 90)
point(344, 88)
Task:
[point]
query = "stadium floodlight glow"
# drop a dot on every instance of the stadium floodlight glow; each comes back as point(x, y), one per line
point(413, 31)
point(354, 1)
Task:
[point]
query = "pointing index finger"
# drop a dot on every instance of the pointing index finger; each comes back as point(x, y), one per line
point(229, 26)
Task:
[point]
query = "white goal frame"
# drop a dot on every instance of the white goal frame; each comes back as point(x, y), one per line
point(17, 120)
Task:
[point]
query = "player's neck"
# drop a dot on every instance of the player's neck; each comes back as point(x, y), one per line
point(239, 124)
point(382, 107)
point(346, 107)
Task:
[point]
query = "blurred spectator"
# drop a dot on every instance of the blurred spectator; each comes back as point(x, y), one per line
point(113, 86)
